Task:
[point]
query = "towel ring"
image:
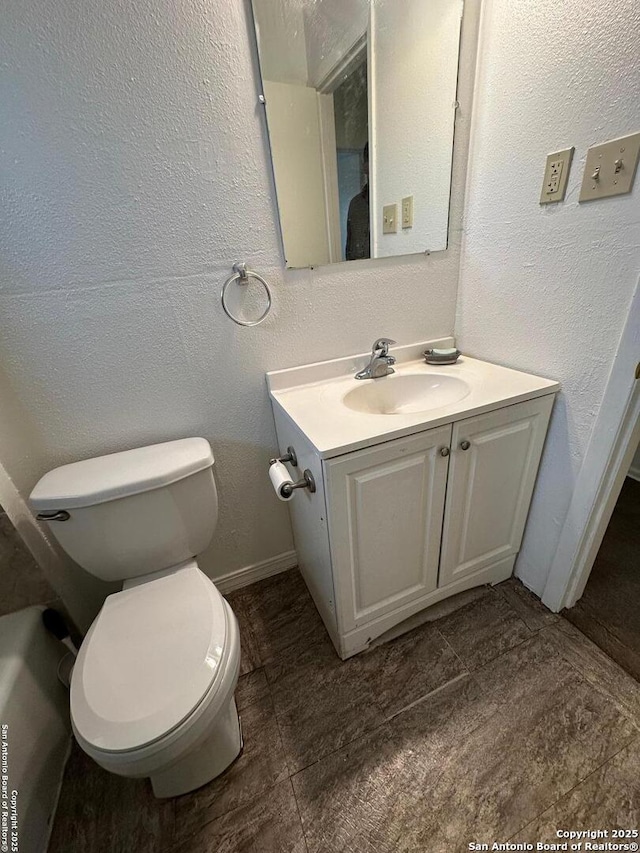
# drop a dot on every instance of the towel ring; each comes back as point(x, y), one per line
point(242, 275)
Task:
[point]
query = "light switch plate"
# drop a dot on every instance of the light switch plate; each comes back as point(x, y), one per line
point(556, 175)
point(390, 219)
point(407, 212)
point(610, 168)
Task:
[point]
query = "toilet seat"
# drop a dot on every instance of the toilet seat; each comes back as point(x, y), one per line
point(155, 653)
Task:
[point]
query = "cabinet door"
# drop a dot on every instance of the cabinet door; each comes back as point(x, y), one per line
point(385, 508)
point(494, 462)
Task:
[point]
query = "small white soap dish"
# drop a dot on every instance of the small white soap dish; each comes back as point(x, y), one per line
point(442, 356)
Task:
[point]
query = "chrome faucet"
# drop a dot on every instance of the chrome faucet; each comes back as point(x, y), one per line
point(380, 362)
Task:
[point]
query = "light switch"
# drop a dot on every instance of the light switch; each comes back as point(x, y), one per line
point(610, 168)
point(407, 212)
point(390, 219)
point(556, 174)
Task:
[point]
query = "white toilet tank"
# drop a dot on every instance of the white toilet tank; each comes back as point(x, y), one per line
point(135, 512)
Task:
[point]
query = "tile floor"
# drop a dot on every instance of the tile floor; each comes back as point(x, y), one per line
point(498, 721)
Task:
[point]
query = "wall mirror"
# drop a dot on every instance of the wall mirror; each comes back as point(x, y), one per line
point(361, 105)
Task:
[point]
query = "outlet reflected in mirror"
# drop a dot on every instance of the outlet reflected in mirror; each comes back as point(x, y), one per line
point(361, 104)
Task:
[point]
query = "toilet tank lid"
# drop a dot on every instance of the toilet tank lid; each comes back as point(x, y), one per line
point(118, 475)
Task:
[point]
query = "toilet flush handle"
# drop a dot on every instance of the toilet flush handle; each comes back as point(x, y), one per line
point(60, 515)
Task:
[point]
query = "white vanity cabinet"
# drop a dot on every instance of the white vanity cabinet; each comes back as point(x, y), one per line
point(418, 496)
point(396, 527)
point(385, 507)
point(492, 470)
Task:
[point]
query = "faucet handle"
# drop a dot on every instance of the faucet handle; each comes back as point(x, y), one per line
point(382, 345)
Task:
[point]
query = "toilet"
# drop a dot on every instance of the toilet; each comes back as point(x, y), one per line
point(152, 691)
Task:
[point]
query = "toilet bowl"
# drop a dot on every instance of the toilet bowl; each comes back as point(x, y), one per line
point(152, 690)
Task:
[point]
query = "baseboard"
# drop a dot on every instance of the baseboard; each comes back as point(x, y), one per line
point(634, 473)
point(256, 572)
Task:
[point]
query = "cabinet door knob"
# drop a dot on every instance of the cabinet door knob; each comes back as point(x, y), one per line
point(444, 451)
point(464, 444)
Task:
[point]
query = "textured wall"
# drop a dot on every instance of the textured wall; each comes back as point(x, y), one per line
point(135, 171)
point(21, 579)
point(331, 29)
point(283, 56)
point(21, 461)
point(547, 288)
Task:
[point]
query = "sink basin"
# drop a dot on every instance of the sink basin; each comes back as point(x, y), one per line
point(339, 414)
point(405, 394)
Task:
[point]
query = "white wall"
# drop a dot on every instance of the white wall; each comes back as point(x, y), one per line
point(281, 38)
point(296, 150)
point(20, 460)
point(135, 171)
point(547, 289)
point(301, 41)
point(413, 76)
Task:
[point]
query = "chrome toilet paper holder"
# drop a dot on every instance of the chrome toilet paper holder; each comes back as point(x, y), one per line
point(307, 481)
point(289, 456)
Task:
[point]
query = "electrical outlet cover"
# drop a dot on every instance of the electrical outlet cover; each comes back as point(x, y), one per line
point(556, 175)
point(407, 212)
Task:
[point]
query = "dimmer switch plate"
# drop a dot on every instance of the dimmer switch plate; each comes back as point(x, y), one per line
point(390, 219)
point(610, 168)
point(556, 174)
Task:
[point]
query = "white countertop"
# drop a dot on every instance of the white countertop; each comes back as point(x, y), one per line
point(311, 396)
